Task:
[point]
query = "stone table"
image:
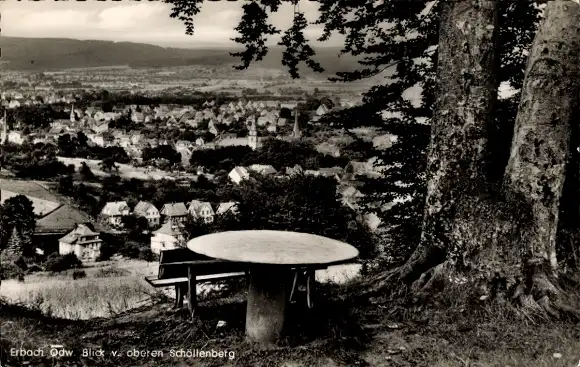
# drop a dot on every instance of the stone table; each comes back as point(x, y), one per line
point(270, 256)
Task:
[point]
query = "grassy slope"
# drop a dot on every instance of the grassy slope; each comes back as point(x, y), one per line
point(336, 334)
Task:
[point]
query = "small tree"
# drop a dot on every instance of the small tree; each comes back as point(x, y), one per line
point(85, 172)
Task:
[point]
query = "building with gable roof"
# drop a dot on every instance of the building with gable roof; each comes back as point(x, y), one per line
point(148, 211)
point(201, 210)
point(114, 211)
point(83, 242)
point(168, 237)
point(174, 212)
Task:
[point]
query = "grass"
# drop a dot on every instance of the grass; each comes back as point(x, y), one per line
point(107, 290)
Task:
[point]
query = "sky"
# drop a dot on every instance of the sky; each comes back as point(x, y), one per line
point(143, 22)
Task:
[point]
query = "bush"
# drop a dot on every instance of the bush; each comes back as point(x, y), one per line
point(79, 274)
point(57, 263)
point(146, 254)
point(9, 270)
point(111, 272)
point(33, 269)
point(21, 263)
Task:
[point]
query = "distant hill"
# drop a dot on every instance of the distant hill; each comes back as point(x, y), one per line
point(61, 53)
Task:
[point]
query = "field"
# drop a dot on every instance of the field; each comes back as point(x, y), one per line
point(125, 170)
point(109, 288)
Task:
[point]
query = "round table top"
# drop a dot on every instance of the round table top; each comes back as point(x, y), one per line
point(272, 247)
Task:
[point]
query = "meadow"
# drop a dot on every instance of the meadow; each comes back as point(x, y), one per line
point(110, 288)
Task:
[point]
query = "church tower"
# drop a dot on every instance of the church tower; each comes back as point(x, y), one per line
point(4, 131)
point(253, 136)
point(72, 113)
point(296, 131)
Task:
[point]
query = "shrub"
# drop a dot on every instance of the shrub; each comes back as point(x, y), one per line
point(21, 263)
point(58, 263)
point(9, 270)
point(33, 269)
point(79, 274)
point(146, 254)
point(111, 272)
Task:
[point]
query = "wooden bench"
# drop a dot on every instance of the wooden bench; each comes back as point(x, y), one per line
point(184, 269)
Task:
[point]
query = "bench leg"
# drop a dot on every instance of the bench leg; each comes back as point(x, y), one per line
point(191, 291)
point(180, 291)
point(310, 288)
point(177, 295)
point(293, 287)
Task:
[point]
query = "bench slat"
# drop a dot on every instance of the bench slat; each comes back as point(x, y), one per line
point(200, 279)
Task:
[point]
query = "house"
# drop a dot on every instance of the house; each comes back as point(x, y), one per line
point(114, 211)
point(354, 168)
point(263, 120)
point(332, 172)
point(83, 242)
point(371, 220)
point(101, 128)
point(272, 128)
point(168, 237)
point(201, 210)
point(264, 169)
point(322, 110)
point(384, 141)
point(328, 149)
point(349, 196)
point(349, 191)
point(174, 212)
point(227, 207)
point(137, 117)
point(16, 137)
point(296, 170)
point(148, 211)
point(238, 174)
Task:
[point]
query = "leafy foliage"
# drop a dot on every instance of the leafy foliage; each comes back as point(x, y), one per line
point(299, 203)
point(399, 39)
point(58, 263)
point(17, 217)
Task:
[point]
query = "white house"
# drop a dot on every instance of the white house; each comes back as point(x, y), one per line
point(16, 137)
point(264, 169)
point(114, 211)
point(168, 237)
point(322, 110)
point(148, 211)
point(227, 207)
point(201, 210)
point(175, 212)
point(81, 241)
point(238, 174)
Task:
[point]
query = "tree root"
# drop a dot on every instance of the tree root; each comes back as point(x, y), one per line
point(542, 296)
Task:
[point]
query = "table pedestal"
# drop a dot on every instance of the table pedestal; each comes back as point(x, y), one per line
point(266, 304)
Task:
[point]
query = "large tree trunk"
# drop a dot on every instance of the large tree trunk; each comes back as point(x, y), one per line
point(536, 170)
point(467, 90)
point(501, 242)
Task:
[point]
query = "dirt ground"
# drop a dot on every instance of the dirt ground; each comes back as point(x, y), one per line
point(335, 333)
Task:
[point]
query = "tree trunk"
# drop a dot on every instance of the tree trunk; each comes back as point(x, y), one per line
point(458, 156)
point(536, 170)
point(503, 243)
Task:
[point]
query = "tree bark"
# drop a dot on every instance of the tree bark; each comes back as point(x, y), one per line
point(549, 105)
point(458, 156)
point(502, 242)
